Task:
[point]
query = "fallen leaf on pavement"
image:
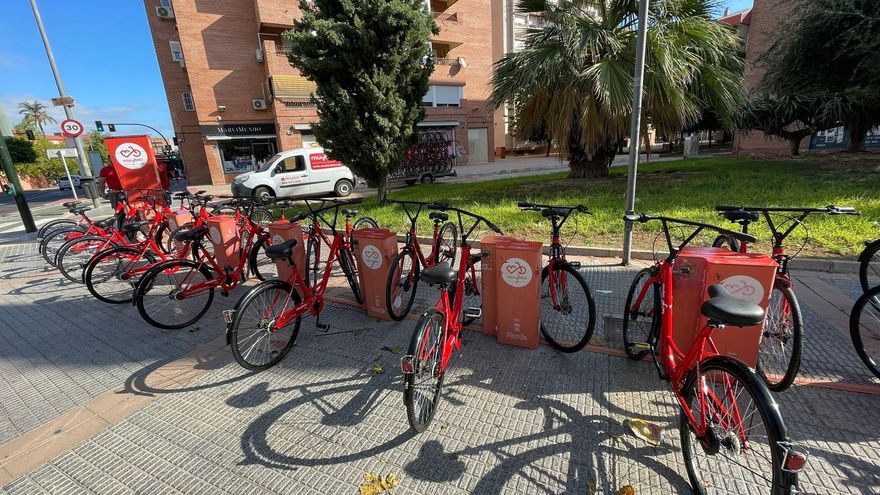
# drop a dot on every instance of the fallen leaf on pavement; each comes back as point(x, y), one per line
point(627, 490)
point(377, 369)
point(394, 350)
point(374, 485)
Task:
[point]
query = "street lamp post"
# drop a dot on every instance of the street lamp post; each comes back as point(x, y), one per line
point(635, 129)
point(84, 169)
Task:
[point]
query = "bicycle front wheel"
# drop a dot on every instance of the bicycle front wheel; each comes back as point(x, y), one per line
point(263, 267)
point(447, 242)
point(864, 328)
point(350, 270)
point(313, 260)
point(869, 266)
point(568, 312)
point(75, 254)
point(779, 356)
point(257, 343)
point(364, 223)
point(161, 297)
point(641, 315)
point(403, 280)
point(53, 241)
point(740, 451)
point(112, 275)
point(422, 383)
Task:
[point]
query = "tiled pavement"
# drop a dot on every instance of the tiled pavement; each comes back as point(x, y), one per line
point(511, 420)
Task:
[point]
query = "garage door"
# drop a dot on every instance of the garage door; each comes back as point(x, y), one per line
point(478, 145)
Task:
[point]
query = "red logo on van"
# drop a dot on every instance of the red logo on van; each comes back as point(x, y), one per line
point(320, 161)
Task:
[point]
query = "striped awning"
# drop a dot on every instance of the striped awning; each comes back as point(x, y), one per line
point(291, 88)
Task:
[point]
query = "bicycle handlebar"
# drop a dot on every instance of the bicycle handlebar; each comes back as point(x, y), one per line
point(830, 209)
point(525, 205)
point(642, 218)
point(479, 218)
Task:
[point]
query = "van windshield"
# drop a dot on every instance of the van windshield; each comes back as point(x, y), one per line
point(270, 162)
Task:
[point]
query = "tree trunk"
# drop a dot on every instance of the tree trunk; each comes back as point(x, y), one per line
point(857, 133)
point(382, 190)
point(584, 166)
point(794, 145)
point(40, 125)
point(549, 143)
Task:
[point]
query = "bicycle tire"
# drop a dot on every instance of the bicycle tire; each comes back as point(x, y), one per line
point(723, 241)
point(869, 266)
point(730, 445)
point(564, 306)
point(104, 294)
point(258, 253)
point(350, 270)
point(243, 310)
point(53, 241)
point(169, 245)
point(262, 216)
point(365, 222)
point(53, 225)
point(446, 246)
point(769, 338)
point(646, 333)
point(420, 413)
point(75, 254)
point(149, 283)
point(399, 302)
point(163, 238)
point(313, 259)
point(864, 329)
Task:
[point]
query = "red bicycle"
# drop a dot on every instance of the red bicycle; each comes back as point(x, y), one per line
point(437, 333)
point(265, 322)
point(316, 240)
point(403, 277)
point(779, 357)
point(732, 434)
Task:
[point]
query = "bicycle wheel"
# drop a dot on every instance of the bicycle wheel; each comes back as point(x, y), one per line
point(722, 241)
point(163, 238)
point(641, 317)
point(261, 265)
point(112, 275)
point(869, 266)
point(170, 246)
point(350, 270)
point(365, 222)
point(779, 357)
point(568, 312)
point(75, 254)
point(256, 343)
point(403, 280)
point(157, 295)
point(447, 243)
point(262, 216)
point(864, 329)
point(313, 261)
point(54, 240)
point(422, 383)
point(740, 452)
point(55, 225)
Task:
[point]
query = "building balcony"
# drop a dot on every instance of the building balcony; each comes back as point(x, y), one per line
point(447, 61)
point(276, 13)
point(444, 17)
point(442, 5)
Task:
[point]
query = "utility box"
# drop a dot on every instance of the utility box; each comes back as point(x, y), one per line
point(281, 231)
point(692, 146)
point(749, 277)
point(517, 292)
point(223, 234)
point(175, 220)
point(374, 249)
point(488, 281)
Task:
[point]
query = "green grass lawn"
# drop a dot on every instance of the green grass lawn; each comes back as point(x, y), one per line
point(681, 189)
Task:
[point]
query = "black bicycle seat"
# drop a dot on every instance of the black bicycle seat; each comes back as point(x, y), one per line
point(438, 274)
point(741, 215)
point(71, 204)
point(134, 227)
point(191, 235)
point(105, 223)
point(556, 212)
point(281, 251)
point(79, 210)
point(350, 213)
point(181, 195)
point(440, 217)
point(725, 308)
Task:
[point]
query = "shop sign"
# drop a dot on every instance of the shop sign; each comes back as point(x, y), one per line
point(237, 130)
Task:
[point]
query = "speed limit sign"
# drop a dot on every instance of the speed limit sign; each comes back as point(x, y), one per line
point(71, 128)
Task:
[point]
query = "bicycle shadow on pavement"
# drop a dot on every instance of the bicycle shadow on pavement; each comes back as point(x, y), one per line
point(148, 381)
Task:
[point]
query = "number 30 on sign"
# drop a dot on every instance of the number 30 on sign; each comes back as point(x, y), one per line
point(71, 128)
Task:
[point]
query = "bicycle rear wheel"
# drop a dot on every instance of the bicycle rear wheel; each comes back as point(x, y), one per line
point(54, 225)
point(641, 317)
point(422, 383)
point(112, 275)
point(722, 241)
point(869, 266)
point(53, 241)
point(741, 451)
point(779, 356)
point(256, 343)
point(350, 270)
point(313, 261)
point(864, 329)
point(263, 267)
point(403, 280)
point(365, 222)
point(75, 254)
point(158, 299)
point(447, 243)
point(568, 312)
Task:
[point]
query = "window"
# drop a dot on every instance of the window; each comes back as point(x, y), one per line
point(176, 52)
point(443, 96)
point(519, 20)
point(293, 164)
point(188, 103)
point(165, 3)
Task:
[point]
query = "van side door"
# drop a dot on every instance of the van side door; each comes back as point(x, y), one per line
point(325, 172)
point(292, 176)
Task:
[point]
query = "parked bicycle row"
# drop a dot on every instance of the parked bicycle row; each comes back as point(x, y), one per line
point(168, 263)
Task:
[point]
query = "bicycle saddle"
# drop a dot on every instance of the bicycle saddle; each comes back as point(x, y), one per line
point(105, 223)
point(558, 212)
point(439, 274)
point(729, 310)
point(281, 251)
point(350, 213)
point(79, 210)
point(436, 215)
point(71, 204)
point(741, 215)
point(191, 235)
point(134, 227)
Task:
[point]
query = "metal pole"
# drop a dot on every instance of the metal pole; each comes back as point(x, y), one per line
point(634, 137)
point(69, 178)
point(153, 128)
point(84, 169)
point(12, 176)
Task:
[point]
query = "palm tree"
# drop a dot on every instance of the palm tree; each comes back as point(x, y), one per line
point(35, 112)
point(574, 74)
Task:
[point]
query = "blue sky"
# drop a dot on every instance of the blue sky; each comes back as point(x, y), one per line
point(106, 58)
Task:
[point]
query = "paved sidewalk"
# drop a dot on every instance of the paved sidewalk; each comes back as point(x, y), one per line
point(511, 420)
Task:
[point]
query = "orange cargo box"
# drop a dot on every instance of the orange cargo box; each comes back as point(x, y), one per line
point(374, 249)
point(223, 233)
point(518, 292)
point(281, 231)
point(175, 220)
point(488, 281)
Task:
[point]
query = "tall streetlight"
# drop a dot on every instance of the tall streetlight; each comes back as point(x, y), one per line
point(636, 127)
point(84, 169)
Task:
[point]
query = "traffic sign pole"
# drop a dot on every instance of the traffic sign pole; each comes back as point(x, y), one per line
point(12, 176)
point(69, 178)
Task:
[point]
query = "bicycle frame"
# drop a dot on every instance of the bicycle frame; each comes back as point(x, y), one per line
point(451, 323)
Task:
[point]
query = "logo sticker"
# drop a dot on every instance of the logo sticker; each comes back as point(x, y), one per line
point(372, 257)
point(216, 238)
point(745, 288)
point(277, 239)
point(131, 156)
point(516, 272)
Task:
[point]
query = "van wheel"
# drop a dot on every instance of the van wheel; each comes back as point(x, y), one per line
point(343, 188)
point(263, 193)
point(427, 179)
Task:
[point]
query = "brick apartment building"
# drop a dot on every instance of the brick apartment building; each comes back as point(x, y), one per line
point(235, 100)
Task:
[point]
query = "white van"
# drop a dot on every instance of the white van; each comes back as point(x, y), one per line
point(296, 173)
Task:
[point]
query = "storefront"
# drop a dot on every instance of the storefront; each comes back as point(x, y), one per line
point(242, 147)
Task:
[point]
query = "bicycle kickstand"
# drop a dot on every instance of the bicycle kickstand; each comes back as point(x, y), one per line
point(324, 327)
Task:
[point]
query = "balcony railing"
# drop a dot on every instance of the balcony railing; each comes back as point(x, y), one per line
point(446, 61)
point(444, 17)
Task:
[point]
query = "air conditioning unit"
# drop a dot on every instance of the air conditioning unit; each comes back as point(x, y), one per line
point(259, 104)
point(259, 54)
point(164, 12)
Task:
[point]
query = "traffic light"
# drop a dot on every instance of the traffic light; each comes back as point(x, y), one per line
point(111, 127)
point(9, 189)
point(30, 135)
point(99, 126)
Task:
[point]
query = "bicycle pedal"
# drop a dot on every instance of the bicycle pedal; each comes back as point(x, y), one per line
point(324, 327)
point(473, 313)
point(640, 346)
